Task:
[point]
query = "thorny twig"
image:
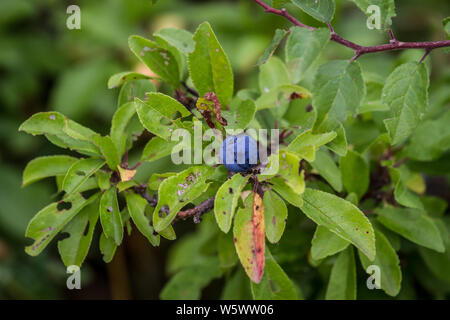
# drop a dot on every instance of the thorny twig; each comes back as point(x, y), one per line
point(359, 50)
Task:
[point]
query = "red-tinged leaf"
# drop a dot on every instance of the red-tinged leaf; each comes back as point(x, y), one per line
point(249, 236)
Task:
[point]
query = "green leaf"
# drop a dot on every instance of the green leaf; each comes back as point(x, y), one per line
point(79, 173)
point(286, 165)
point(342, 283)
point(158, 148)
point(275, 216)
point(322, 10)
point(389, 264)
point(227, 199)
point(355, 173)
point(43, 167)
point(430, 139)
point(168, 233)
point(177, 191)
point(103, 179)
point(339, 144)
point(121, 119)
point(401, 178)
point(279, 97)
point(188, 283)
point(279, 185)
point(107, 248)
point(136, 208)
point(155, 121)
point(209, 66)
point(178, 55)
point(249, 237)
point(406, 93)
point(158, 59)
point(306, 144)
point(155, 180)
point(387, 10)
point(275, 284)
point(240, 113)
point(327, 168)
point(74, 249)
point(325, 243)
point(340, 217)
point(110, 216)
point(118, 79)
point(61, 131)
point(49, 221)
point(412, 224)
point(108, 150)
point(303, 48)
point(134, 89)
point(272, 74)
point(166, 105)
point(226, 251)
point(279, 3)
point(338, 90)
point(179, 38)
point(279, 35)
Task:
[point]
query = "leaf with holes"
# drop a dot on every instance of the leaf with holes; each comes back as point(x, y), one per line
point(79, 173)
point(227, 199)
point(177, 191)
point(74, 249)
point(249, 237)
point(209, 66)
point(340, 217)
point(110, 216)
point(49, 221)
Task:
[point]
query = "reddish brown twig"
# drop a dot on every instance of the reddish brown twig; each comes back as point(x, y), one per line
point(359, 50)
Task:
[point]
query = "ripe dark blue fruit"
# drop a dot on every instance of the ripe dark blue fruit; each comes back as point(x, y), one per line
point(239, 153)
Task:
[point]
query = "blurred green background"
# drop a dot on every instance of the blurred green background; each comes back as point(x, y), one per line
point(45, 66)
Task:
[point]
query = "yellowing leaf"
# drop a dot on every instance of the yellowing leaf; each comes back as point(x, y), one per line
point(249, 237)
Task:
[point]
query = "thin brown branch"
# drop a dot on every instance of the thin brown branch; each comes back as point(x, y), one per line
point(197, 211)
point(359, 50)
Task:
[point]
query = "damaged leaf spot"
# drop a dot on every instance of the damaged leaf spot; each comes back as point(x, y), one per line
point(64, 205)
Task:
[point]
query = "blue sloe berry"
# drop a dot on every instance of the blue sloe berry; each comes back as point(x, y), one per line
point(239, 153)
